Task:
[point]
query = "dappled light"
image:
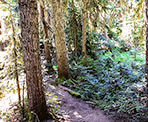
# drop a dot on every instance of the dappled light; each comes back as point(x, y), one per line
point(77, 114)
point(73, 61)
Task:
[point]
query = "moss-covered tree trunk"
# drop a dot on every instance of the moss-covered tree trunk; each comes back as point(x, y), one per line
point(30, 41)
point(146, 6)
point(61, 49)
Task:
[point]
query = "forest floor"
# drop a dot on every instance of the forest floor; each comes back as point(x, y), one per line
point(74, 109)
point(68, 107)
point(71, 108)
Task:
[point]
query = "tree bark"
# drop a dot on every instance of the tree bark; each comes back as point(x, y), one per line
point(84, 27)
point(146, 8)
point(30, 41)
point(74, 30)
point(46, 43)
point(61, 49)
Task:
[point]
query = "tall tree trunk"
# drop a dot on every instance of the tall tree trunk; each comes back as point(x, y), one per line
point(30, 41)
point(46, 43)
point(61, 50)
point(146, 6)
point(84, 27)
point(75, 31)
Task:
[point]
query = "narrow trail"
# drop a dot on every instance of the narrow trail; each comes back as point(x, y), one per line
point(79, 111)
point(76, 110)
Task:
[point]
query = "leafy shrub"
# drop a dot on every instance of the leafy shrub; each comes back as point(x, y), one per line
point(110, 83)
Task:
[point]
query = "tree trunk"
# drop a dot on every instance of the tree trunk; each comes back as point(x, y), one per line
point(46, 43)
point(84, 27)
point(146, 3)
point(61, 50)
point(30, 41)
point(75, 31)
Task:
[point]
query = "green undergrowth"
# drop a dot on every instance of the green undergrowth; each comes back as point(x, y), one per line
point(114, 81)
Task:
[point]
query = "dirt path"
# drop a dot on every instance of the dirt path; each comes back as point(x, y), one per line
point(76, 110)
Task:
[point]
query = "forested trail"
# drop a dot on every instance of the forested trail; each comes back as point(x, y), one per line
point(74, 109)
point(71, 108)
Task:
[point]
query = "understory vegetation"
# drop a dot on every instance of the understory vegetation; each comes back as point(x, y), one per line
point(113, 79)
